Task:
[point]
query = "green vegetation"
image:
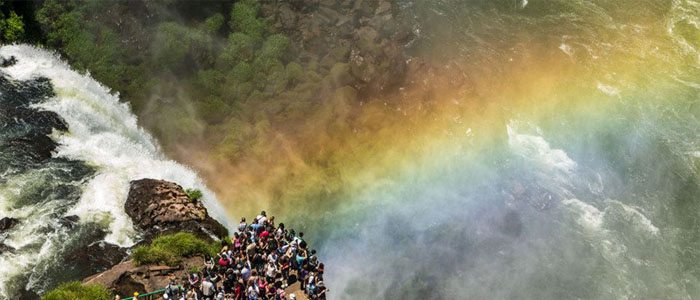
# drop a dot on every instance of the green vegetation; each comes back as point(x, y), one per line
point(170, 249)
point(194, 194)
point(74, 290)
point(12, 27)
point(222, 81)
point(204, 73)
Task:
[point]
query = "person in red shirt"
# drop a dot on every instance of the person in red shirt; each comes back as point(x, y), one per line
point(223, 262)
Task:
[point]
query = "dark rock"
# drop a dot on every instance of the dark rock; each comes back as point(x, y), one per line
point(7, 62)
point(5, 248)
point(328, 16)
point(157, 207)
point(287, 17)
point(327, 3)
point(127, 284)
point(383, 7)
point(7, 223)
point(363, 7)
point(96, 257)
point(69, 221)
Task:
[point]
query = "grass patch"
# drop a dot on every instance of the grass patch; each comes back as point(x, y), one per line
point(170, 249)
point(74, 290)
point(194, 194)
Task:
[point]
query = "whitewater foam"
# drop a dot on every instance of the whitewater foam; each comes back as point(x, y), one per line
point(537, 150)
point(590, 217)
point(103, 133)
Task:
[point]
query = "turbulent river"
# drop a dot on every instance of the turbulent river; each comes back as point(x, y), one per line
point(68, 148)
point(560, 161)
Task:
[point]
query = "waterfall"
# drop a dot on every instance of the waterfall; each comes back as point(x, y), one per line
point(87, 175)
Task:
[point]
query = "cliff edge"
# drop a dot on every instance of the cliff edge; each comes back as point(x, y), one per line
point(160, 207)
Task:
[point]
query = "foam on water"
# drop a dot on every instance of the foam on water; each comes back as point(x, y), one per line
point(104, 134)
point(536, 149)
point(590, 217)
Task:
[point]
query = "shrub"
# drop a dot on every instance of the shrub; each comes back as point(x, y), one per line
point(152, 255)
point(74, 290)
point(240, 47)
point(213, 23)
point(170, 249)
point(194, 194)
point(275, 46)
point(244, 18)
point(242, 72)
point(213, 111)
point(170, 46)
point(13, 28)
point(208, 82)
point(295, 73)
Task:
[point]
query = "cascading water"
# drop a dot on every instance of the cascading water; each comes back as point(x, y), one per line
point(69, 148)
point(558, 157)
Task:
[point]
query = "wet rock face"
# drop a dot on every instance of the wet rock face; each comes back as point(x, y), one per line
point(5, 248)
point(7, 223)
point(7, 62)
point(158, 206)
point(25, 142)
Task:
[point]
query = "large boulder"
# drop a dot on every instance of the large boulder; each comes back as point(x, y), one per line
point(7, 223)
point(160, 207)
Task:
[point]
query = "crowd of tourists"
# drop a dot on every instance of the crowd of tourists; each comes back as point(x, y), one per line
point(259, 262)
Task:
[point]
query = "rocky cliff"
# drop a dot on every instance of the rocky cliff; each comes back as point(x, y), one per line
point(160, 207)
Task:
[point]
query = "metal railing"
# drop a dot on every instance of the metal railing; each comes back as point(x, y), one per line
point(148, 296)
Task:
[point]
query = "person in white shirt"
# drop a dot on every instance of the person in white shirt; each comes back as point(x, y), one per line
point(262, 217)
point(208, 289)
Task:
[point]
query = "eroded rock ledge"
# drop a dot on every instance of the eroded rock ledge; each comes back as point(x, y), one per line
point(160, 207)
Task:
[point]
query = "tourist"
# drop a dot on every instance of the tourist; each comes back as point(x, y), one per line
point(192, 294)
point(242, 226)
point(208, 289)
point(259, 262)
point(172, 291)
point(262, 217)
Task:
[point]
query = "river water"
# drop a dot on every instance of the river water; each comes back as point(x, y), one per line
point(95, 147)
point(556, 156)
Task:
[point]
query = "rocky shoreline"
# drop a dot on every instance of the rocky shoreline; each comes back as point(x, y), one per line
point(169, 220)
point(156, 207)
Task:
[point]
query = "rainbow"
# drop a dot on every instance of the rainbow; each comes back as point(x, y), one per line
point(521, 133)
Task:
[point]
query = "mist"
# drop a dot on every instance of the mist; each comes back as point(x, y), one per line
point(432, 149)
